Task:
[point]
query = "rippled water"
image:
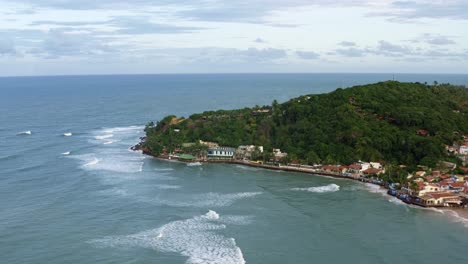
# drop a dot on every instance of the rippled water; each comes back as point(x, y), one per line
point(71, 191)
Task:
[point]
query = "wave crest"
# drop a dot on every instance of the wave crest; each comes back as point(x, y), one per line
point(195, 238)
point(24, 133)
point(320, 189)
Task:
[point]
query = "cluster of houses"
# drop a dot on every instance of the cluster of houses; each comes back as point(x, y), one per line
point(460, 149)
point(436, 189)
point(432, 189)
point(356, 170)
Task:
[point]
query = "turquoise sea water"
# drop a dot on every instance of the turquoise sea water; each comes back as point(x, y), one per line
point(85, 198)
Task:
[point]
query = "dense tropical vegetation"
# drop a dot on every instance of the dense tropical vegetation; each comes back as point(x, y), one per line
point(400, 123)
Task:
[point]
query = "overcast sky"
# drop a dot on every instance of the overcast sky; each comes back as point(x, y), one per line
point(55, 37)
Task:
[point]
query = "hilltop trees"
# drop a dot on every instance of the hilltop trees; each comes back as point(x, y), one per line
point(370, 122)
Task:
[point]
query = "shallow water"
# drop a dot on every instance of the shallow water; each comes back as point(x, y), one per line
point(71, 191)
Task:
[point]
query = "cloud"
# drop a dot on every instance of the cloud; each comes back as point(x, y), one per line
point(259, 40)
point(263, 54)
point(401, 52)
point(390, 49)
point(308, 55)
point(351, 52)
point(347, 44)
point(410, 11)
point(7, 47)
point(58, 43)
point(240, 11)
point(66, 23)
point(383, 48)
point(435, 39)
point(144, 25)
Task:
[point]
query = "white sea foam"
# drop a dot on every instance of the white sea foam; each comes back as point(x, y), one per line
point(211, 215)
point(193, 164)
point(321, 189)
point(92, 163)
point(395, 200)
point(24, 133)
point(113, 160)
point(168, 187)
point(164, 169)
point(245, 167)
point(375, 189)
point(101, 137)
point(452, 213)
point(136, 129)
point(66, 153)
point(458, 218)
point(197, 238)
point(114, 192)
point(108, 142)
point(68, 134)
point(207, 199)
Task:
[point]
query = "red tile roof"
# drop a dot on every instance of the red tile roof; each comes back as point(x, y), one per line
point(422, 132)
point(372, 171)
point(437, 195)
point(355, 166)
point(457, 184)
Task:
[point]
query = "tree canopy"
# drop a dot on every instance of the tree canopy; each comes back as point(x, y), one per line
point(381, 121)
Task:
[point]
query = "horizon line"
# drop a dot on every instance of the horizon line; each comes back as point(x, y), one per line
point(223, 73)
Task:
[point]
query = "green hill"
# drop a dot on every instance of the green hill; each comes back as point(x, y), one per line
point(370, 122)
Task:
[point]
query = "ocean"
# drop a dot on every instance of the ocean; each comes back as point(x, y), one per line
point(71, 191)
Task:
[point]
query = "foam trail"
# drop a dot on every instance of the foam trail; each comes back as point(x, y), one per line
point(101, 137)
point(68, 134)
point(164, 169)
point(208, 200)
point(195, 238)
point(92, 163)
point(321, 189)
point(168, 187)
point(24, 133)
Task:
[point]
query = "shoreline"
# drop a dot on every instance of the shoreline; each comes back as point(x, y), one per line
point(310, 171)
point(267, 167)
point(455, 214)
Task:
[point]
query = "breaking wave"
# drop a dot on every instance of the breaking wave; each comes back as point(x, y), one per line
point(24, 133)
point(68, 134)
point(321, 189)
point(209, 200)
point(104, 136)
point(113, 158)
point(196, 238)
point(92, 163)
point(66, 153)
point(377, 189)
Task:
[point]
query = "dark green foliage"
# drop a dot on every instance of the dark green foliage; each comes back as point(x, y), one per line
point(371, 122)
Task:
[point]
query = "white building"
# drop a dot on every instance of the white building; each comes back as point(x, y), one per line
point(221, 153)
point(376, 165)
point(278, 154)
point(463, 150)
point(246, 151)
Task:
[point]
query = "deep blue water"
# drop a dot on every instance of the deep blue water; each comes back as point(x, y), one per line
point(101, 203)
